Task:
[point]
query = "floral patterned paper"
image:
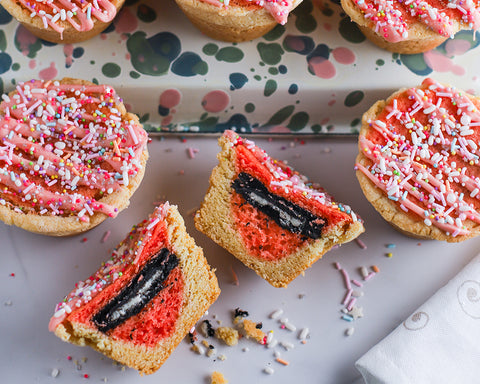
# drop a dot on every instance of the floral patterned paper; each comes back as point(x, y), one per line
point(316, 75)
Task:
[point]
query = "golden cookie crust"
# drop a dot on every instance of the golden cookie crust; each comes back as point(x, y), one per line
point(69, 36)
point(67, 226)
point(232, 24)
point(214, 219)
point(407, 224)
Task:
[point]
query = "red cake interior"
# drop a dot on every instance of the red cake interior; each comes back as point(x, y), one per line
point(157, 320)
point(263, 237)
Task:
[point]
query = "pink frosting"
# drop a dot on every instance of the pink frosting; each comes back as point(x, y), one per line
point(279, 9)
point(127, 252)
point(79, 15)
point(59, 137)
point(428, 160)
point(391, 18)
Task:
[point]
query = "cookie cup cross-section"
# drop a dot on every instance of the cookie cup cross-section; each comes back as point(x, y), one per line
point(269, 216)
point(143, 301)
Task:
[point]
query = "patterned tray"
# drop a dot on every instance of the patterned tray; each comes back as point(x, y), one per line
point(316, 75)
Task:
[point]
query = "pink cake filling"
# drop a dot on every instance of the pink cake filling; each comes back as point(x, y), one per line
point(263, 237)
point(258, 230)
point(157, 320)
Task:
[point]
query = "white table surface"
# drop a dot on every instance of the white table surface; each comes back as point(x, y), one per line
point(45, 269)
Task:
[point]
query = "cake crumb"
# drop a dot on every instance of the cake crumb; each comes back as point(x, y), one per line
point(252, 331)
point(207, 329)
point(238, 315)
point(198, 349)
point(218, 378)
point(228, 335)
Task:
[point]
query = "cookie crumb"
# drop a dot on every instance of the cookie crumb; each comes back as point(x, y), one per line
point(218, 378)
point(207, 329)
point(228, 335)
point(252, 331)
point(198, 349)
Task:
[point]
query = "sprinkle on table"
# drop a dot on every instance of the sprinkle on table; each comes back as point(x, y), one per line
point(360, 243)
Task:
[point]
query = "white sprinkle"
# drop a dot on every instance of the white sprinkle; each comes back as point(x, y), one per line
point(153, 223)
point(269, 337)
point(276, 314)
point(272, 344)
point(287, 345)
point(290, 327)
point(303, 333)
point(357, 293)
point(269, 370)
point(364, 272)
point(349, 331)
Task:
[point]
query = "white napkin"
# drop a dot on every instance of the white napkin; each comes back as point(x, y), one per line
point(439, 343)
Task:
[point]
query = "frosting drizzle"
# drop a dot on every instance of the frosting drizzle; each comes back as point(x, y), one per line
point(65, 146)
point(423, 152)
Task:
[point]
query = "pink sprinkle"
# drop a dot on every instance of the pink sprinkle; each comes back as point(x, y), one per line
point(351, 303)
point(357, 283)
point(105, 236)
point(361, 244)
point(153, 223)
point(369, 276)
point(235, 278)
point(346, 278)
point(347, 296)
point(192, 152)
point(337, 265)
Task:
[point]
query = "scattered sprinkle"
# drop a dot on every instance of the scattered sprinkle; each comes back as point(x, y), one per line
point(55, 372)
point(287, 345)
point(304, 333)
point(282, 361)
point(360, 243)
point(235, 277)
point(276, 314)
point(364, 272)
point(269, 370)
point(106, 236)
point(349, 331)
